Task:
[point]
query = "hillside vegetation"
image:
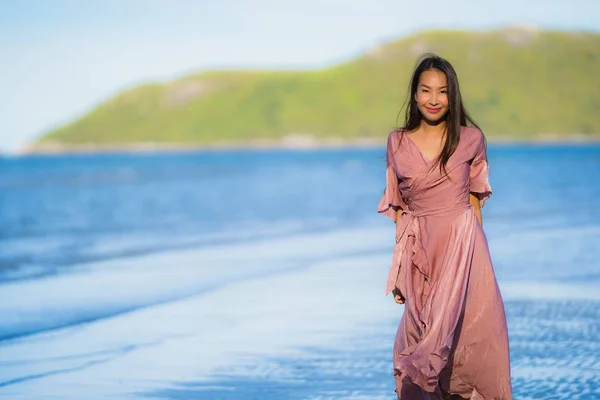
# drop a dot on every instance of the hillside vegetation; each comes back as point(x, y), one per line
point(516, 82)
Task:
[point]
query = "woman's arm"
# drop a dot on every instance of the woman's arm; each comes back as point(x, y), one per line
point(474, 200)
point(398, 296)
point(398, 214)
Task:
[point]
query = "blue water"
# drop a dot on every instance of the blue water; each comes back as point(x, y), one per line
point(57, 212)
point(91, 244)
point(60, 212)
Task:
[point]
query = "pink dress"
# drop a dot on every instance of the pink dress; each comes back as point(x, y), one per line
point(452, 338)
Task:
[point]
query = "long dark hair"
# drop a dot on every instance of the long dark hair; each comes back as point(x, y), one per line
point(455, 117)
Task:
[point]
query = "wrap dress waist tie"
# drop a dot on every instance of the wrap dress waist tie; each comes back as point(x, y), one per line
point(409, 250)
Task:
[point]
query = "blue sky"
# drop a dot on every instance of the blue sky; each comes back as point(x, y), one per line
point(60, 58)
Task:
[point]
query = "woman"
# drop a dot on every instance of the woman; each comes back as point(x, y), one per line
point(452, 341)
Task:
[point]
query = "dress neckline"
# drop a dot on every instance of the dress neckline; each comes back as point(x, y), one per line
point(425, 159)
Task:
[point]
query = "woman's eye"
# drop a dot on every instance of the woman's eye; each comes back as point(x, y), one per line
point(424, 90)
point(444, 91)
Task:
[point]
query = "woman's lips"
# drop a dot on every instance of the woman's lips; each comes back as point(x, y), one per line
point(433, 110)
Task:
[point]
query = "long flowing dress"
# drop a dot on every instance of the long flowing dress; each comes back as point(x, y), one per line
point(452, 338)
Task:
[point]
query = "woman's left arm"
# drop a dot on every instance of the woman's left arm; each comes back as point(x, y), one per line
point(474, 200)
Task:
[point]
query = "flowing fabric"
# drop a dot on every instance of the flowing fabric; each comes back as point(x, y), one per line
point(452, 338)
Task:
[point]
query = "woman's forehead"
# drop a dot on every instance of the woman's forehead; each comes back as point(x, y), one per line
point(433, 78)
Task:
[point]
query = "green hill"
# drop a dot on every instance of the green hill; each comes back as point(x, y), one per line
point(516, 82)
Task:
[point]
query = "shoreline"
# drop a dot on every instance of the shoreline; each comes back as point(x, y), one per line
point(285, 143)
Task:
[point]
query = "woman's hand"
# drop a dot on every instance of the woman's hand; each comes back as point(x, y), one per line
point(398, 297)
point(474, 200)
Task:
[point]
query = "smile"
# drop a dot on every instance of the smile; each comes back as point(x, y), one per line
point(433, 110)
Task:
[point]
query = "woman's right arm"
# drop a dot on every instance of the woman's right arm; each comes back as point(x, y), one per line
point(398, 215)
point(398, 296)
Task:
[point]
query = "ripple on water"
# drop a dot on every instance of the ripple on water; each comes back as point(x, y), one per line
point(555, 354)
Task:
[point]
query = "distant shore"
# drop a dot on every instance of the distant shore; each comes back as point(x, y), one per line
point(293, 142)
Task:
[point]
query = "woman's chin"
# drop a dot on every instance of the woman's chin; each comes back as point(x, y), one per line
point(433, 119)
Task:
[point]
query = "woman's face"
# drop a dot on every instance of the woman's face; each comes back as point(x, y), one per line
point(432, 95)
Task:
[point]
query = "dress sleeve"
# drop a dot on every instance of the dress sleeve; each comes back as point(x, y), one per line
point(479, 175)
point(391, 201)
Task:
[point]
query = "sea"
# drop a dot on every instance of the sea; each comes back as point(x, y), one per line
point(260, 274)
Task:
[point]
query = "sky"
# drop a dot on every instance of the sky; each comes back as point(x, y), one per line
point(61, 58)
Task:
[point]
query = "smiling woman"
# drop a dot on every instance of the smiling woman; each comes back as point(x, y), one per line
point(441, 267)
point(432, 95)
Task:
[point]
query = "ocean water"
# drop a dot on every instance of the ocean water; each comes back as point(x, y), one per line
point(260, 274)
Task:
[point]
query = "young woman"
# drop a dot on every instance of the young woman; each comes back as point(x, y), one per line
point(452, 341)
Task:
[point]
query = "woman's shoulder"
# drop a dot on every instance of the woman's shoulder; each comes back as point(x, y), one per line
point(474, 141)
point(395, 144)
point(472, 135)
point(396, 132)
point(472, 132)
point(395, 136)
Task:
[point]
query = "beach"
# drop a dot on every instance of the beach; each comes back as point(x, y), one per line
point(202, 282)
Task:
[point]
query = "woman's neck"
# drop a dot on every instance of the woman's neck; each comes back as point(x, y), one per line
point(432, 130)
